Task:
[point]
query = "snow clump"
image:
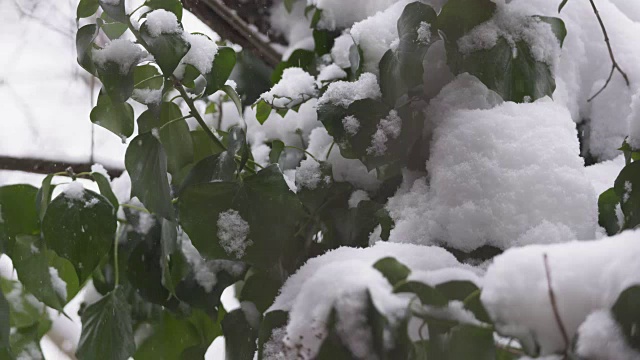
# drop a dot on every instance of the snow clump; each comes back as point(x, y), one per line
point(232, 232)
point(122, 52)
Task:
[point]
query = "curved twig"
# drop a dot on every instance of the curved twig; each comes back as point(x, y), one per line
point(554, 305)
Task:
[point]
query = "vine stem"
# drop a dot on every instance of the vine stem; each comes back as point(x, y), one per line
point(300, 149)
point(554, 304)
point(115, 261)
point(614, 63)
point(133, 207)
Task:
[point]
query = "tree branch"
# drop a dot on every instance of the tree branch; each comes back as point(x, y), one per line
point(230, 26)
point(554, 305)
point(614, 63)
point(40, 166)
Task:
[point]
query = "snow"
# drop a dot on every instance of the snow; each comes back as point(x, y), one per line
point(513, 26)
point(232, 232)
point(75, 190)
point(496, 174)
point(201, 54)
point(424, 33)
point(308, 174)
point(603, 175)
point(340, 279)
point(148, 96)
point(99, 168)
point(584, 279)
point(59, 286)
point(30, 350)
point(634, 122)
point(338, 14)
point(356, 197)
point(389, 127)
point(330, 73)
point(343, 93)
point(122, 52)
point(340, 50)
point(146, 221)
point(351, 125)
point(600, 337)
point(162, 22)
point(296, 85)
point(112, 2)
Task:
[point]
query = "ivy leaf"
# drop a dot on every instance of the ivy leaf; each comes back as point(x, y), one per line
point(84, 45)
point(203, 146)
point(557, 26)
point(111, 28)
point(471, 342)
point(356, 60)
point(427, 294)
point(31, 263)
point(107, 332)
point(167, 49)
point(608, 201)
point(263, 200)
point(223, 64)
point(174, 134)
point(80, 230)
point(233, 95)
point(323, 40)
point(401, 69)
point(146, 163)
point(43, 198)
point(393, 270)
point(86, 8)
point(240, 337)
point(457, 289)
point(263, 110)
point(19, 215)
point(288, 4)
point(627, 187)
point(105, 189)
point(25, 310)
point(174, 6)
point(116, 12)
point(113, 116)
point(146, 78)
point(562, 4)
point(627, 314)
point(261, 290)
point(277, 147)
point(301, 58)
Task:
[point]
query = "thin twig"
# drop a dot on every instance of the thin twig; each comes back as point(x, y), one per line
point(614, 63)
point(554, 304)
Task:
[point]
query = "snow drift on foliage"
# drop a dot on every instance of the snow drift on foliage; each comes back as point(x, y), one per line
point(500, 175)
point(586, 277)
point(340, 278)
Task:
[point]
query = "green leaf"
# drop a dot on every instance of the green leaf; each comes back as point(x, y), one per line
point(105, 189)
point(427, 294)
point(84, 45)
point(263, 110)
point(458, 17)
point(203, 146)
point(557, 26)
point(31, 263)
point(356, 57)
point(167, 49)
point(43, 198)
point(401, 69)
point(233, 95)
point(146, 78)
point(323, 40)
point(223, 64)
point(301, 58)
point(19, 214)
point(146, 163)
point(240, 337)
point(80, 230)
point(261, 290)
point(607, 216)
point(317, 15)
point(86, 8)
point(107, 332)
point(457, 289)
point(174, 134)
point(562, 4)
point(115, 117)
point(277, 147)
point(627, 187)
point(25, 310)
point(112, 29)
point(471, 342)
point(174, 6)
point(263, 200)
point(116, 12)
point(271, 321)
point(392, 269)
point(626, 311)
point(5, 326)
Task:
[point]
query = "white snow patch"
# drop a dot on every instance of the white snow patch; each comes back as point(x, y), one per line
point(74, 190)
point(162, 22)
point(600, 338)
point(308, 174)
point(343, 93)
point(351, 124)
point(330, 73)
point(201, 54)
point(122, 52)
point(295, 85)
point(98, 168)
point(356, 197)
point(389, 127)
point(59, 285)
point(424, 33)
point(232, 232)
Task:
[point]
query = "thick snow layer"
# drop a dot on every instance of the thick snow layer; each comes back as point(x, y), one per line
point(500, 175)
point(201, 54)
point(356, 197)
point(343, 93)
point(330, 73)
point(339, 279)
point(389, 127)
point(603, 175)
point(233, 231)
point(585, 277)
point(162, 22)
point(119, 51)
point(59, 286)
point(340, 50)
point(75, 190)
point(308, 175)
point(634, 122)
point(295, 85)
point(600, 338)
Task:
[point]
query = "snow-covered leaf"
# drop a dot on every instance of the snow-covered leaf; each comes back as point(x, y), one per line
point(175, 6)
point(223, 64)
point(626, 311)
point(84, 43)
point(115, 9)
point(240, 337)
point(392, 269)
point(105, 189)
point(458, 17)
point(627, 187)
point(107, 332)
point(80, 228)
point(168, 49)
point(608, 201)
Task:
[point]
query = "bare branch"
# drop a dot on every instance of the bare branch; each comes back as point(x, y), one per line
point(40, 166)
point(554, 304)
point(614, 63)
